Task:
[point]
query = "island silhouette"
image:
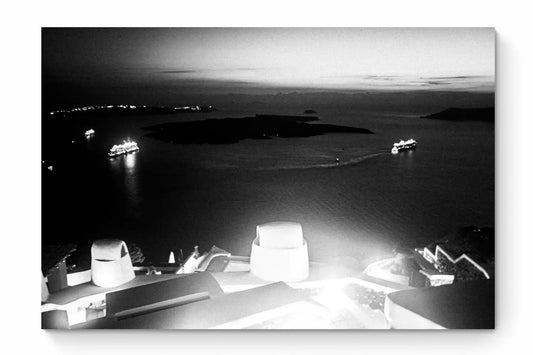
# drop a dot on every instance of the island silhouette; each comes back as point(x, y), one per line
point(232, 130)
point(485, 114)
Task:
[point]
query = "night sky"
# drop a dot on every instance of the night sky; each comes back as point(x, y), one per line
point(84, 62)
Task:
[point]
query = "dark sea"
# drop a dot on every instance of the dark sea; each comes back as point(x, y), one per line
point(168, 197)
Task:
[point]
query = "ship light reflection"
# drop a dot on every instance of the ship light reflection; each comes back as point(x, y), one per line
point(130, 160)
point(130, 178)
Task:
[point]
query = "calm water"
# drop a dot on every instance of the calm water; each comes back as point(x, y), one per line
point(168, 197)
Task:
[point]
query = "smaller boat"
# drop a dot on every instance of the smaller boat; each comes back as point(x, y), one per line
point(403, 145)
point(89, 133)
point(337, 160)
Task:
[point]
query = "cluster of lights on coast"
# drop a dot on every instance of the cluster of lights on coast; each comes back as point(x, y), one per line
point(94, 108)
point(127, 146)
point(124, 107)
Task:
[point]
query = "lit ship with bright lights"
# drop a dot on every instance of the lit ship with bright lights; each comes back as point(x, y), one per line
point(89, 132)
point(403, 145)
point(125, 148)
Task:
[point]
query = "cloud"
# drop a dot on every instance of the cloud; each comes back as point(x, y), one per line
point(182, 71)
point(437, 83)
point(458, 77)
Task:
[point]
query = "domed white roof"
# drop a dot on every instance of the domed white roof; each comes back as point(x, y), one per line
point(279, 252)
point(280, 235)
point(110, 263)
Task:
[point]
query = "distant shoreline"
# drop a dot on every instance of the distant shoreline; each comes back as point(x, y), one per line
point(484, 114)
point(126, 109)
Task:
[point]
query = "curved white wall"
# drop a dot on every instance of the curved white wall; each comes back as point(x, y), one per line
point(110, 263)
point(280, 253)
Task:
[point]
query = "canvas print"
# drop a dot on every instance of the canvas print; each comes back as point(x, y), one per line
point(268, 178)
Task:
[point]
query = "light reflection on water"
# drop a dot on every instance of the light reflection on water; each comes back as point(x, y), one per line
point(129, 162)
point(125, 167)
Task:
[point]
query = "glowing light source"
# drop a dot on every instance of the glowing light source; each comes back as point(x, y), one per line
point(333, 296)
point(171, 258)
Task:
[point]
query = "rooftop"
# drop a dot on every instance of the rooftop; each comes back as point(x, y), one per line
point(54, 254)
point(464, 305)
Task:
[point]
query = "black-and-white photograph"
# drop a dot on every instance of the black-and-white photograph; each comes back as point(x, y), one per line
point(268, 178)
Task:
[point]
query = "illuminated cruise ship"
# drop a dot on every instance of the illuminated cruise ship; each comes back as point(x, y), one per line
point(125, 148)
point(403, 145)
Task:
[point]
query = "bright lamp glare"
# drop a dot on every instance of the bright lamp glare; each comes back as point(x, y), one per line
point(333, 297)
